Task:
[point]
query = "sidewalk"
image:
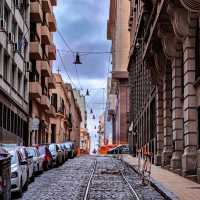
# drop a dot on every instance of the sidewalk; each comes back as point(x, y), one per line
point(176, 186)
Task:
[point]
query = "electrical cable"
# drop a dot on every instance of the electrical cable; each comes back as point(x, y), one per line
point(65, 68)
point(65, 42)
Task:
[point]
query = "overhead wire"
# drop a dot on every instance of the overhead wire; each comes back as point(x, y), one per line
point(73, 53)
point(66, 71)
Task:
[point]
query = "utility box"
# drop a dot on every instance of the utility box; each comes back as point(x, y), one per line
point(5, 175)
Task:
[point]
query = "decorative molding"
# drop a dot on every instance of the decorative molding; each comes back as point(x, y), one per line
point(191, 5)
point(179, 20)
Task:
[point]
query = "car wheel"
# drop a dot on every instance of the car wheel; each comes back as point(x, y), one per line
point(26, 185)
point(32, 178)
point(19, 193)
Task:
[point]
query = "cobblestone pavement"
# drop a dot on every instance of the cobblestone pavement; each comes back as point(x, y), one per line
point(69, 181)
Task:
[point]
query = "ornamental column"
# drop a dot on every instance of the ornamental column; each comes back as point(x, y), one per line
point(177, 108)
point(159, 122)
point(184, 25)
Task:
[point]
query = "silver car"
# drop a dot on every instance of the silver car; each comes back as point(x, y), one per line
point(29, 160)
point(56, 153)
point(37, 159)
point(19, 166)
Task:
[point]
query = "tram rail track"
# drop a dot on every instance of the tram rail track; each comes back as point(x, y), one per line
point(90, 180)
point(120, 172)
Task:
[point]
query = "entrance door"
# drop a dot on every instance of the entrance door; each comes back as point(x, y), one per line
point(53, 133)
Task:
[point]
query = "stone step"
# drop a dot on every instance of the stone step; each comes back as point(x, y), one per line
point(192, 177)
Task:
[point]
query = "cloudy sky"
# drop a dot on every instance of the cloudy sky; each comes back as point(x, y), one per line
point(83, 24)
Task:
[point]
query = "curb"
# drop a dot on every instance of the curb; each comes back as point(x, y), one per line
point(157, 186)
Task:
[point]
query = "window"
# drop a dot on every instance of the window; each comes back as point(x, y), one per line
point(8, 119)
point(1, 108)
point(13, 75)
point(25, 88)
point(19, 81)
point(21, 42)
point(12, 121)
point(5, 68)
point(6, 16)
point(4, 117)
point(19, 126)
point(16, 124)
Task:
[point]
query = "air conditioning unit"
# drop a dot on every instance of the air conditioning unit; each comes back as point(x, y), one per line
point(28, 66)
point(16, 47)
point(17, 4)
point(11, 37)
point(3, 25)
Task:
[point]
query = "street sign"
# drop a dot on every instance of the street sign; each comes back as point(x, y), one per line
point(35, 124)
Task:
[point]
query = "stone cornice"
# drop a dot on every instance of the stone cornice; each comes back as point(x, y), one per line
point(179, 20)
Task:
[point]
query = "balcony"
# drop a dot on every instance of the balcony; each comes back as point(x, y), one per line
point(51, 112)
point(112, 104)
point(46, 6)
point(51, 22)
point(36, 14)
point(35, 51)
point(51, 52)
point(53, 2)
point(45, 102)
point(45, 35)
point(35, 90)
point(45, 68)
point(52, 83)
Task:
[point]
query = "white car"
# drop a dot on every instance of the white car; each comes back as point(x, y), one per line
point(29, 160)
point(37, 159)
point(19, 179)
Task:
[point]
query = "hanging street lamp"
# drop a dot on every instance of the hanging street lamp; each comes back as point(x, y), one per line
point(77, 60)
point(87, 93)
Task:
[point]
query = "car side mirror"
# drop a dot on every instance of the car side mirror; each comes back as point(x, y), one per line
point(23, 162)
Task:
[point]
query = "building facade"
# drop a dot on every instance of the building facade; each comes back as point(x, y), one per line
point(108, 118)
point(164, 83)
point(14, 71)
point(84, 134)
point(42, 54)
point(101, 130)
point(118, 33)
point(75, 117)
point(60, 124)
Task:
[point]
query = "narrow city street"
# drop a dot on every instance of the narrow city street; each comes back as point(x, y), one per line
point(69, 182)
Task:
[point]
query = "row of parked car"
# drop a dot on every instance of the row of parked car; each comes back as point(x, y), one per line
point(27, 162)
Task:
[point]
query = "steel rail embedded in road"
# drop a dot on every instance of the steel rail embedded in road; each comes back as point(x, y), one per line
point(129, 185)
point(90, 180)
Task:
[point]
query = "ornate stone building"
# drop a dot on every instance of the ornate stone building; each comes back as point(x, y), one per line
point(118, 33)
point(164, 74)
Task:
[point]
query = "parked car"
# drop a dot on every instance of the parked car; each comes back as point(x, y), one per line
point(56, 154)
point(121, 149)
point(29, 160)
point(47, 158)
point(71, 149)
point(37, 159)
point(65, 151)
point(19, 167)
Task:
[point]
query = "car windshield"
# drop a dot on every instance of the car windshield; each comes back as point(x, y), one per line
point(42, 150)
point(68, 145)
point(13, 158)
point(31, 152)
point(52, 147)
